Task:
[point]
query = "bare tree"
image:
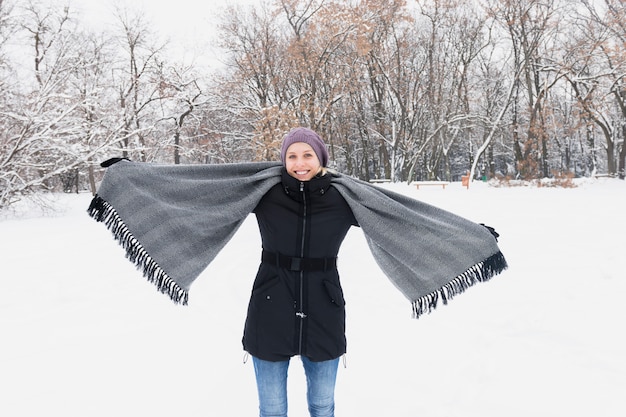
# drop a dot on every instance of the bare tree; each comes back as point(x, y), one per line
point(41, 139)
point(595, 72)
point(136, 77)
point(614, 55)
point(531, 25)
point(255, 88)
point(181, 94)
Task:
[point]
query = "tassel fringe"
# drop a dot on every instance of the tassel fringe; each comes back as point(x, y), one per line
point(481, 272)
point(102, 211)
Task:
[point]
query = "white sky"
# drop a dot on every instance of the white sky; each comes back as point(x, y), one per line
point(173, 15)
point(188, 24)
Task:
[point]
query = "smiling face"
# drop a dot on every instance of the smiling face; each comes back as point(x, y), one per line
point(301, 161)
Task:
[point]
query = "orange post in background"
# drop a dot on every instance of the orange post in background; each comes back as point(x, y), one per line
point(465, 180)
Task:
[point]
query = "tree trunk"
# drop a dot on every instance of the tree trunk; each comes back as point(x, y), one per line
point(620, 96)
point(92, 180)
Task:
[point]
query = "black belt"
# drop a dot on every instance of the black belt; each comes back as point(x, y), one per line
point(298, 264)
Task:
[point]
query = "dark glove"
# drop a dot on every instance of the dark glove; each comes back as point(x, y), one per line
point(492, 231)
point(111, 161)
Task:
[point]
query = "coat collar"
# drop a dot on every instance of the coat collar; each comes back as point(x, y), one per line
point(318, 185)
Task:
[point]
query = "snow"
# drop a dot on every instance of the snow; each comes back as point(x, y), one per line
point(83, 334)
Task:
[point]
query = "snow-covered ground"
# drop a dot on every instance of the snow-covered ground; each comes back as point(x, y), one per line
point(83, 334)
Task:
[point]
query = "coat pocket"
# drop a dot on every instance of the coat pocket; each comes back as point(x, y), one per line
point(334, 293)
point(262, 287)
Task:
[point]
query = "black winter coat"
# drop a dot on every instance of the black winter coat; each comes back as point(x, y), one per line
point(299, 312)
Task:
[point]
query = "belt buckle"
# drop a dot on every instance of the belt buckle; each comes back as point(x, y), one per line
point(296, 264)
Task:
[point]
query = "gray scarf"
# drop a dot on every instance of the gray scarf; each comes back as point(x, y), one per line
point(172, 220)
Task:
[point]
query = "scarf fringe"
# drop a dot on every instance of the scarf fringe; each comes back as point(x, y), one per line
point(481, 272)
point(101, 211)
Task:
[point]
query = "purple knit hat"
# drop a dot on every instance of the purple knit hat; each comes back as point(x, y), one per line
point(302, 134)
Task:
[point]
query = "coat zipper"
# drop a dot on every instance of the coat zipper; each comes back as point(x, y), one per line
point(301, 313)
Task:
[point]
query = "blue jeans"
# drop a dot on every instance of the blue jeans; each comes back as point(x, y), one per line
point(271, 380)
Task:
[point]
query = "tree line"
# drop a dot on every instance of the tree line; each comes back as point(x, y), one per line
point(400, 90)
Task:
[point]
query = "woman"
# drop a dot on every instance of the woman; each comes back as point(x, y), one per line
point(297, 305)
point(172, 222)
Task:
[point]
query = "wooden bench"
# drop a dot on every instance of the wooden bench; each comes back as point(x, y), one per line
point(604, 175)
point(419, 184)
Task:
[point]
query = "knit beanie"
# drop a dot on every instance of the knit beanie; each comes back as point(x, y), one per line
point(302, 134)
